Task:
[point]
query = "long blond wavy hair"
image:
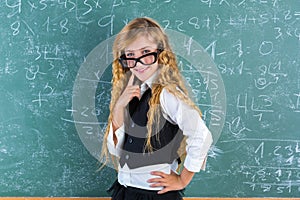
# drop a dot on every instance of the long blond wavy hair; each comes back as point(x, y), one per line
point(169, 77)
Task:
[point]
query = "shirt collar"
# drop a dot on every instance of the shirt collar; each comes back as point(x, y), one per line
point(151, 79)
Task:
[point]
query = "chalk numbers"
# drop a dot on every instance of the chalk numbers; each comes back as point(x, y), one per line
point(282, 171)
point(62, 25)
point(15, 27)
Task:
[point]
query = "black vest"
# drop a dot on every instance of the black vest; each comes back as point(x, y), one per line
point(165, 144)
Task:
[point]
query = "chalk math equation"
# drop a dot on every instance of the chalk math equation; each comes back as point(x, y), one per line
point(280, 174)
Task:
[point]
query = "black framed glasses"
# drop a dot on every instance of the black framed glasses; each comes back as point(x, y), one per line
point(147, 59)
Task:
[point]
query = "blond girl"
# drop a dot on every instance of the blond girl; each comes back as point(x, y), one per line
point(153, 125)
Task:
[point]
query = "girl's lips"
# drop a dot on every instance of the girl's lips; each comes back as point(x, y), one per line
point(141, 70)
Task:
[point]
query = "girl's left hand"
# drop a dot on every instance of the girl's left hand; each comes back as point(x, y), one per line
point(170, 182)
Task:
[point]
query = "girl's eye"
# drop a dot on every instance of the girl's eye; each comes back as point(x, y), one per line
point(129, 55)
point(146, 51)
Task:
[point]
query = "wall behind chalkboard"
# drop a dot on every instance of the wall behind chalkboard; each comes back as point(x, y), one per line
point(255, 46)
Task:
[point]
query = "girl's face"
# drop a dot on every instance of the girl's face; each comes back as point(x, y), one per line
point(140, 47)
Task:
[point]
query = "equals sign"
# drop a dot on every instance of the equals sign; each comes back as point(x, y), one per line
point(297, 14)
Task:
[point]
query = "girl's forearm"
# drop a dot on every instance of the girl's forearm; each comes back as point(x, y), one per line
point(117, 118)
point(117, 121)
point(186, 176)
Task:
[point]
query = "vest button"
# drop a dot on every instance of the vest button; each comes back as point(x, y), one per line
point(130, 140)
point(127, 157)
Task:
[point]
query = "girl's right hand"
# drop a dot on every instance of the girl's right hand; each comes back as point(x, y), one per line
point(129, 92)
point(118, 112)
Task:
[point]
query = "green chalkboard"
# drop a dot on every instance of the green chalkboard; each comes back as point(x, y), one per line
point(240, 59)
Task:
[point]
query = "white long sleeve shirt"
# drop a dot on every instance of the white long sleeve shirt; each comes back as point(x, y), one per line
point(199, 140)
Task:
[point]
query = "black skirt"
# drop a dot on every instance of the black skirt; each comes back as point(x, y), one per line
point(119, 192)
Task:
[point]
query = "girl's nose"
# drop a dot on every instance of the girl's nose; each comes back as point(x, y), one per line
point(138, 64)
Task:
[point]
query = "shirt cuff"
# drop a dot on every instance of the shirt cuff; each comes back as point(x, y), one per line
point(195, 163)
point(119, 133)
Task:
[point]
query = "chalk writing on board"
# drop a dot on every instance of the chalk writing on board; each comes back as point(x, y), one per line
point(254, 44)
point(259, 105)
point(237, 127)
point(296, 105)
point(8, 69)
point(280, 176)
